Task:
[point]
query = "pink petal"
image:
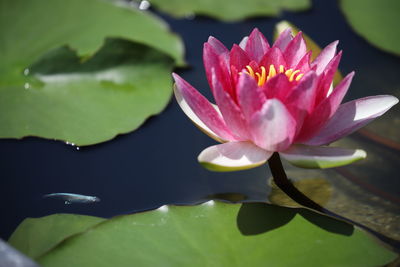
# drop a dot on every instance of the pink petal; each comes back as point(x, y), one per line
point(273, 127)
point(213, 61)
point(229, 110)
point(187, 96)
point(295, 50)
point(250, 96)
point(324, 110)
point(283, 39)
point(243, 43)
point(238, 58)
point(326, 55)
point(351, 116)
point(219, 47)
point(233, 156)
point(304, 64)
point(273, 56)
point(301, 100)
point(278, 87)
point(327, 77)
point(257, 45)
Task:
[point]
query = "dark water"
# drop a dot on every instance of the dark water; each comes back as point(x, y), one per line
point(157, 165)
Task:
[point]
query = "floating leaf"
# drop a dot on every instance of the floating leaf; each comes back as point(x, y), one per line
point(60, 78)
point(376, 21)
point(220, 234)
point(229, 11)
point(311, 45)
point(86, 103)
point(35, 236)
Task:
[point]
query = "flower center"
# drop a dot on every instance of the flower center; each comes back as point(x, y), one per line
point(293, 75)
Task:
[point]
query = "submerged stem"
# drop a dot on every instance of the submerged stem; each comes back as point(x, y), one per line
point(281, 180)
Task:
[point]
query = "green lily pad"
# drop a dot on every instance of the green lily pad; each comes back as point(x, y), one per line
point(232, 10)
point(220, 234)
point(376, 21)
point(35, 236)
point(60, 78)
point(86, 103)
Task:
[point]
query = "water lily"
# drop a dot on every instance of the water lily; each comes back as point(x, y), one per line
point(275, 99)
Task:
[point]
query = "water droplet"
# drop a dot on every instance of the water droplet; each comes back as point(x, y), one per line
point(190, 16)
point(210, 203)
point(26, 71)
point(144, 5)
point(27, 86)
point(163, 208)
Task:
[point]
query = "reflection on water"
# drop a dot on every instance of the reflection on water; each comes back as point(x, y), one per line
point(342, 196)
point(318, 189)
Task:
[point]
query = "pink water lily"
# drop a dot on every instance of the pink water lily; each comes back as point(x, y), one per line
point(275, 99)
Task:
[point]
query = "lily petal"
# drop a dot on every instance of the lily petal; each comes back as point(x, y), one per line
point(212, 60)
point(233, 156)
point(300, 101)
point(304, 64)
point(243, 43)
point(238, 58)
point(250, 96)
point(273, 127)
point(273, 56)
point(230, 111)
point(295, 50)
point(328, 74)
point(351, 116)
point(200, 111)
point(219, 47)
point(326, 55)
point(278, 87)
point(284, 39)
point(257, 45)
point(321, 157)
point(324, 110)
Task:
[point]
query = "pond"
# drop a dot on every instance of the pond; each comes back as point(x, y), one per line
point(157, 164)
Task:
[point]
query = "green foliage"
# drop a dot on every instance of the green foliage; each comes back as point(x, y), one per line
point(35, 236)
point(376, 21)
point(218, 234)
point(229, 10)
point(61, 79)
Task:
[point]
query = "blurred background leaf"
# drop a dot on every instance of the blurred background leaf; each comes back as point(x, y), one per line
point(376, 21)
point(229, 11)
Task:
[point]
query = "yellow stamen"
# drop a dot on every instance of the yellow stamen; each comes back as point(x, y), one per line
point(299, 77)
point(272, 71)
point(261, 80)
point(262, 77)
point(291, 78)
point(251, 71)
point(288, 72)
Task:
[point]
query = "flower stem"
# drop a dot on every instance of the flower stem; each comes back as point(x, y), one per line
point(281, 180)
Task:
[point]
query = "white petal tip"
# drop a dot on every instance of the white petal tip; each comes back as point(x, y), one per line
point(233, 156)
point(322, 157)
